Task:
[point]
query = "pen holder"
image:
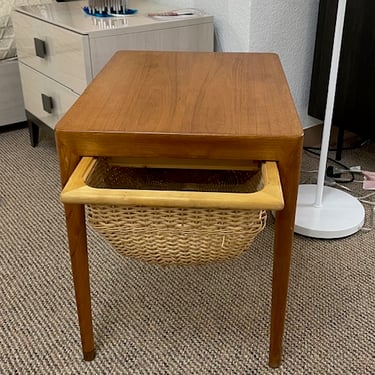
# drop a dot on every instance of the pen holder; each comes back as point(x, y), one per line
point(108, 7)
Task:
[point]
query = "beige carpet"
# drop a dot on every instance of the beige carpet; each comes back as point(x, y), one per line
point(182, 320)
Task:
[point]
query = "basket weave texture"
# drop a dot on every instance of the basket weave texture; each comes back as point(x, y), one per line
point(174, 235)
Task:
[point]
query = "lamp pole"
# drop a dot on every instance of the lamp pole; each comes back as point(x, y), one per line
point(330, 100)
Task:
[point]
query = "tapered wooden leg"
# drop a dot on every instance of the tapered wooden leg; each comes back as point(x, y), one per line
point(281, 266)
point(284, 233)
point(75, 221)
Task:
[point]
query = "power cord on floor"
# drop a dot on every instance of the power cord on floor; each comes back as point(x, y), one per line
point(364, 200)
point(334, 175)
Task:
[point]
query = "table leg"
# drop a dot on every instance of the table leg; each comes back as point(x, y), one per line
point(284, 233)
point(75, 222)
point(281, 265)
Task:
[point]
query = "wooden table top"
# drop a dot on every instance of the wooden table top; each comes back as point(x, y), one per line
point(202, 105)
point(187, 93)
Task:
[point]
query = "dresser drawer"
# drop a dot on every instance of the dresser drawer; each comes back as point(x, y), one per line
point(57, 52)
point(45, 98)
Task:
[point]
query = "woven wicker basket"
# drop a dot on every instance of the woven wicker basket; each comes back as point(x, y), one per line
point(173, 215)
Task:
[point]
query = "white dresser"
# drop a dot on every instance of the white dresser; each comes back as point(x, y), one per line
point(61, 49)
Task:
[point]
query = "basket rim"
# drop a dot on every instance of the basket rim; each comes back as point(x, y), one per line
point(76, 191)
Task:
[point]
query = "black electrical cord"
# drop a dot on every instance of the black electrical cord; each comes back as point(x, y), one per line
point(312, 150)
point(330, 171)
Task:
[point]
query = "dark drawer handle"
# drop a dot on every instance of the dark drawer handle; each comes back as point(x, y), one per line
point(40, 47)
point(47, 103)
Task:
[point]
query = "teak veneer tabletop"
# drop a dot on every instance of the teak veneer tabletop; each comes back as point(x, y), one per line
point(186, 105)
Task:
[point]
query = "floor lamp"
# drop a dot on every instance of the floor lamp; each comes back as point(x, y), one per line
point(323, 211)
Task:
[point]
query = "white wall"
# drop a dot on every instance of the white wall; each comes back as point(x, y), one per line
point(232, 22)
point(286, 27)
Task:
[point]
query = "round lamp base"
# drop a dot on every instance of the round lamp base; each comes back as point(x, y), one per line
point(340, 214)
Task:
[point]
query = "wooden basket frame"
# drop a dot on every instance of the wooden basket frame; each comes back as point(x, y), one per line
point(270, 197)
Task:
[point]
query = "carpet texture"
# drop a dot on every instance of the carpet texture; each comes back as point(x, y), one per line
point(211, 319)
